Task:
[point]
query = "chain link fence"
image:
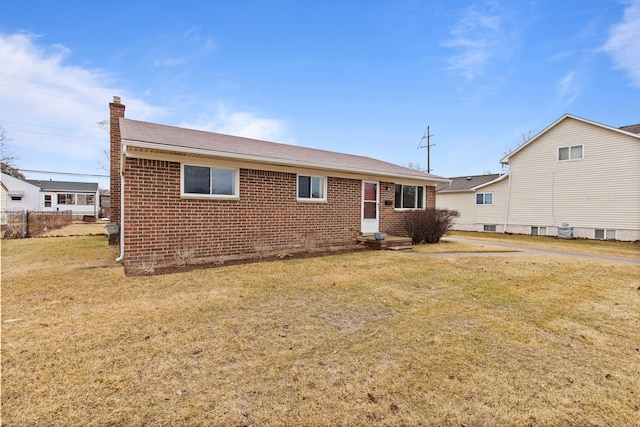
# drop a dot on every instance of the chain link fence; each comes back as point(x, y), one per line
point(23, 224)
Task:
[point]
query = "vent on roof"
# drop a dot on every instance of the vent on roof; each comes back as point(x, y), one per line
point(468, 178)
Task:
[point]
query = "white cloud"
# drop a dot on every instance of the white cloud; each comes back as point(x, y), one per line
point(240, 123)
point(568, 89)
point(50, 109)
point(478, 37)
point(624, 43)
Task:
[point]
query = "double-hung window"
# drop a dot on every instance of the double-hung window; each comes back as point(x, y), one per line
point(312, 188)
point(209, 181)
point(484, 198)
point(409, 197)
point(573, 152)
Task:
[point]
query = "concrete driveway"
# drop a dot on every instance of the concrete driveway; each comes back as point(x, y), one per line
point(524, 250)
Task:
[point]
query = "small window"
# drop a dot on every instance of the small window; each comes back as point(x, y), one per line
point(605, 234)
point(312, 188)
point(484, 198)
point(47, 200)
point(573, 152)
point(538, 231)
point(491, 228)
point(16, 198)
point(209, 181)
point(409, 196)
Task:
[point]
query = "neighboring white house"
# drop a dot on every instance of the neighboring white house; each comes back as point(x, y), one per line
point(577, 175)
point(20, 194)
point(81, 198)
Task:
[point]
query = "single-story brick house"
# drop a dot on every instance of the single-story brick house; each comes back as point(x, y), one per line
point(184, 196)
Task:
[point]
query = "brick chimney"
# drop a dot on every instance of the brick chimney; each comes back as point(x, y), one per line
point(116, 110)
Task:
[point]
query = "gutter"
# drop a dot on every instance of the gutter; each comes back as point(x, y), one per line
point(506, 214)
point(121, 257)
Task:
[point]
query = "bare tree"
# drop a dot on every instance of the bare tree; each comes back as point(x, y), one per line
point(7, 158)
point(524, 139)
point(414, 166)
point(105, 166)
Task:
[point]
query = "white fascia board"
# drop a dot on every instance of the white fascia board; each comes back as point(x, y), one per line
point(498, 179)
point(273, 160)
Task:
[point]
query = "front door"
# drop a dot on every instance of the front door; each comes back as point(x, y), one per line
point(370, 206)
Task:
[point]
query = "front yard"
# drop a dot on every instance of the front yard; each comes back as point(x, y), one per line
point(368, 338)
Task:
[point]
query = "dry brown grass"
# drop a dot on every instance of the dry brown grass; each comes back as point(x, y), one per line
point(450, 246)
point(78, 228)
point(371, 338)
point(603, 247)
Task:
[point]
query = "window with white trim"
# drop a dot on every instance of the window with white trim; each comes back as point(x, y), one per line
point(209, 181)
point(491, 228)
point(573, 152)
point(484, 198)
point(409, 196)
point(538, 231)
point(312, 188)
point(66, 199)
point(604, 234)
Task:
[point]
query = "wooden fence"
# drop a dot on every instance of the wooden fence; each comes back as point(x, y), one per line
point(22, 224)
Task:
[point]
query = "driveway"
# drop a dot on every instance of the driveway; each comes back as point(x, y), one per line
point(520, 250)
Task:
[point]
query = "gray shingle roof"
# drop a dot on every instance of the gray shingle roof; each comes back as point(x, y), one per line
point(65, 186)
point(215, 144)
point(631, 128)
point(466, 183)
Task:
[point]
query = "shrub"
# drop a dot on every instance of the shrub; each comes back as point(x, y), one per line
point(429, 225)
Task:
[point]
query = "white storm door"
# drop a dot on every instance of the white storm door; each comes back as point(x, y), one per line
point(370, 206)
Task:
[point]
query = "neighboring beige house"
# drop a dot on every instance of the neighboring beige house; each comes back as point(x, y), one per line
point(576, 175)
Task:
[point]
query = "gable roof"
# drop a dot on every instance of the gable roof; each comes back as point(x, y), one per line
point(468, 183)
point(154, 136)
point(627, 130)
point(59, 186)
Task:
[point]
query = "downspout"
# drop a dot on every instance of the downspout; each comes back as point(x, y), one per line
point(121, 257)
point(506, 214)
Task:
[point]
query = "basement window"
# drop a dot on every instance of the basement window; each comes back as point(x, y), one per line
point(604, 234)
point(490, 228)
point(205, 181)
point(538, 231)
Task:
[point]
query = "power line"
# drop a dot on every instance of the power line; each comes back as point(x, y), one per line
point(65, 173)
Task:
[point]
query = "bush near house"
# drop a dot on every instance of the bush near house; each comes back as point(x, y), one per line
point(429, 225)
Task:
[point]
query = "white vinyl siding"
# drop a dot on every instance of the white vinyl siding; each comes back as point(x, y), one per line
point(602, 189)
point(464, 203)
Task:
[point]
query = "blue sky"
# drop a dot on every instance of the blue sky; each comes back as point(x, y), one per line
point(361, 77)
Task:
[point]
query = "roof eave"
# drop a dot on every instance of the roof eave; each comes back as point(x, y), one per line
point(272, 160)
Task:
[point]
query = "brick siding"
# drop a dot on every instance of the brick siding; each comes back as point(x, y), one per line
point(392, 221)
point(161, 228)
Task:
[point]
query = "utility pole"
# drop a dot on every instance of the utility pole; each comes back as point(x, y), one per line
point(427, 135)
